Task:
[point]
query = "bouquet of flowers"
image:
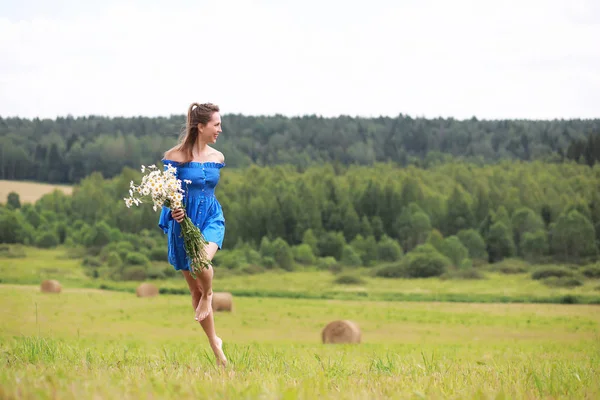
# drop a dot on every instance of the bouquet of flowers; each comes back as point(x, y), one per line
point(164, 189)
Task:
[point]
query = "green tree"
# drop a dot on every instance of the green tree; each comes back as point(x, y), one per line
point(525, 220)
point(303, 254)
point(283, 254)
point(310, 239)
point(534, 245)
point(332, 244)
point(13, 200)
point(460, 215)
point(350, 257)
point(366, 248)
point(474, 243)
point(573, 237)
point(378, 230)
point(389, 250)
point(454, 250)
point(500, 243)
point(352, 223)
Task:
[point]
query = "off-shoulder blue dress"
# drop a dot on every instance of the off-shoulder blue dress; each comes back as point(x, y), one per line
point(201, 206)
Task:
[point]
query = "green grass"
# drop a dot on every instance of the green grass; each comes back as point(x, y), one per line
point(312, 284)
point(85, 343)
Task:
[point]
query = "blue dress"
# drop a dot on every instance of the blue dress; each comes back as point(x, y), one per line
point(201, 206)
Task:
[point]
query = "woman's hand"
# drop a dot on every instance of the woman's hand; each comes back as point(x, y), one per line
point(178, 214)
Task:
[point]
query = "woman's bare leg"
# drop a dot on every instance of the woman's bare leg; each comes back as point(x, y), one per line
point(198, 288)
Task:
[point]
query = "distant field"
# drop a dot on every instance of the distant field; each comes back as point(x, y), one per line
point(29, 192)
point(40, 264)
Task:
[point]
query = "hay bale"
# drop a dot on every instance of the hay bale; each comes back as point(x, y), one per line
point(50, 286)
point(342, 331)
point(222, 301)
point(146, 290)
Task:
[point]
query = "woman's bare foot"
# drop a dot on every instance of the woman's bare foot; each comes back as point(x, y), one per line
point(217, 348)
point(204, 307)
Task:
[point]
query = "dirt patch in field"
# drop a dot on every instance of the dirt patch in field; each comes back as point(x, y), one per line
point(30, 192)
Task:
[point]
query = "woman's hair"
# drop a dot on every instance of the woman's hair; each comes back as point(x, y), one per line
point(197, 114)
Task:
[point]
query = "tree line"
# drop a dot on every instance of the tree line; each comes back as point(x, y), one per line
point(452, 215)
point(66, 150)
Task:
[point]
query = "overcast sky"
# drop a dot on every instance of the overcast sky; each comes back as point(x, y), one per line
point(534, 59)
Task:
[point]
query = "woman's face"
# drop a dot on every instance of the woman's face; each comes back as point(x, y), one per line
point(210, 132)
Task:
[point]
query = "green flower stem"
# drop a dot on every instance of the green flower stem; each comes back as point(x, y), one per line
point(194, 243)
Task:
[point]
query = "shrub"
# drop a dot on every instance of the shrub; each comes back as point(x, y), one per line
point(134, 273)
point(269, 262)
point(552, 271)
point(252, 256)
point(332, 244)
point(156, 272)
point(98, 235)
point(561, 282)
point(159, 253)
point(349, 280)
point(396, 270)
point(283, 254)
point(13, 200)
point(134, 258)
point(326, 263)
point(425, 261)
point(230, 259)
point(123, 248)
point(350, 257)
point(453, 248)
point(310, 239)
point(474, 243)
point(266, 248)
point(47, 239)
point(389, 250)
point(114, 260)
point(510, 266)
point(91, 262)
point(303, 254)
point(591, 271)
point(366, 248)
point(169, 271)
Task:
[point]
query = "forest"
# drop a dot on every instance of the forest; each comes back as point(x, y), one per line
point(399, 221)
point(68, 149)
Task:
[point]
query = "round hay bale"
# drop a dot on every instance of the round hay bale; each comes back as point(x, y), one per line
point(342, 331)
point(50, 286)
point(222, 301)
point(146, 290)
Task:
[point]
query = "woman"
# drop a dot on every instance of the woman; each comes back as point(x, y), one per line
point(197, 162)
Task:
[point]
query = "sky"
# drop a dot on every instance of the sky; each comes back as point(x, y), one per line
point(525, 59)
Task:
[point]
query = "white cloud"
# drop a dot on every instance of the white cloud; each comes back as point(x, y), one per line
point(512, 59)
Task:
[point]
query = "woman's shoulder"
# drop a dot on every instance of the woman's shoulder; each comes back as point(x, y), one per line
point(174, 154)
point(218, 156)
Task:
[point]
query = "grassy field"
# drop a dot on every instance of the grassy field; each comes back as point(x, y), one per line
point(29, 192)
point(90, 343)
point(54, 264)
point(86, 343)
